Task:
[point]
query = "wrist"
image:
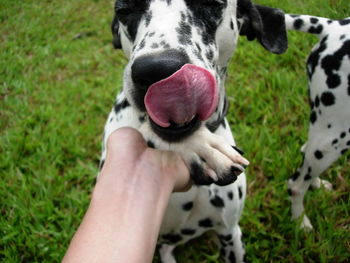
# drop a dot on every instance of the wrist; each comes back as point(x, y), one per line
point(146, 178)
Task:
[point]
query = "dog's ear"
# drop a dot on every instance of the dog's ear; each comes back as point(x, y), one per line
point(264, 23)
point(116, 36)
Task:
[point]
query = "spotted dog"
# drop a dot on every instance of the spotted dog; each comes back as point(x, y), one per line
point(173, 93)
point(328, 69)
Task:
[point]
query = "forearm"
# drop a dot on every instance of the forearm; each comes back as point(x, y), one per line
point(128, 203)
point(122, 223)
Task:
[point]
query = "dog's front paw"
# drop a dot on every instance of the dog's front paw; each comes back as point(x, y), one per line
point(209, 157)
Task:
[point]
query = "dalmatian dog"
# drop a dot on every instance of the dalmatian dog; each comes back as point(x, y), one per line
point(173, 93)
point(328, 68)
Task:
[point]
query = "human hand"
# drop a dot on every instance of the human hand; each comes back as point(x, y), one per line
point(130, 160)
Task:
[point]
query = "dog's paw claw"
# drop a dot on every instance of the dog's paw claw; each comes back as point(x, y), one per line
point(240, 151)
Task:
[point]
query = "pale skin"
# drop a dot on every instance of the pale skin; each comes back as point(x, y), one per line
point(128, 202)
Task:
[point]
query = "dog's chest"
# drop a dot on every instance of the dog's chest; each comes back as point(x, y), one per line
point(203, 208)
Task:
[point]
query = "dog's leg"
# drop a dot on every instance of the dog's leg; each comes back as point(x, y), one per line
point(320, 153)
point(166, 253)
point(232, 246)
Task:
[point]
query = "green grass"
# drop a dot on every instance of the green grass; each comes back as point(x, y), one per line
point(57, 89)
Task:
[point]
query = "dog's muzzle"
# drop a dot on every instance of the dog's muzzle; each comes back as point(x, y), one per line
point(176, 95)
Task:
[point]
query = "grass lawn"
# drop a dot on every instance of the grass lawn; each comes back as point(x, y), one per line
point(58, 79)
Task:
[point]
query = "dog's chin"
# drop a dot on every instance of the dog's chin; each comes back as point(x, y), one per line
point(175, 132)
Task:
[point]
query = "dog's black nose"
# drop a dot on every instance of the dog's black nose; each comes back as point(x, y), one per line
point(149, 69)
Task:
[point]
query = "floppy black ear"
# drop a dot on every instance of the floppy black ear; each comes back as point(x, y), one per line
point(264, 23)
point(115, 31)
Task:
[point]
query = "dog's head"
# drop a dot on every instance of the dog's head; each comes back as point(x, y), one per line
point(178, 51)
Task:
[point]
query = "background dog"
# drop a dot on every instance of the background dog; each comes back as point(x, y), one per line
point(328, 69)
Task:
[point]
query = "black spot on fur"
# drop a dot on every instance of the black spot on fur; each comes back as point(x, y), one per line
point(298, 23)
point(295, 176)
point(240, 193)
point(122, 105)
point(314, 57)
point(184, 33)
point(348, 143)
point(230, 195)
point(307, 177)
point(226, 237)
point(313, 117)
point(148, 18)
point(150, 144)
point(335, 141)
point(222, 252)
point(342, 135)
point(142, 44)
point(344, 22)
point(188, 206)
point(332, 63)
point(154, 46)
point(333, 81)
point(313, 20)
point(207, 16)
point(217, 201)
point(318, 154)
point(232, 258)
point(142, 118)
point(223, 123)
point(344, 151)
point(172, 238)
point(316, 30)
point(210, 55)
point(327, 98)
point(188, 231)
point(205, 223)
point(317, 102)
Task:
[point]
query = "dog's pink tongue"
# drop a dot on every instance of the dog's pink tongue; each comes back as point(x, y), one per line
point(188, 92)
